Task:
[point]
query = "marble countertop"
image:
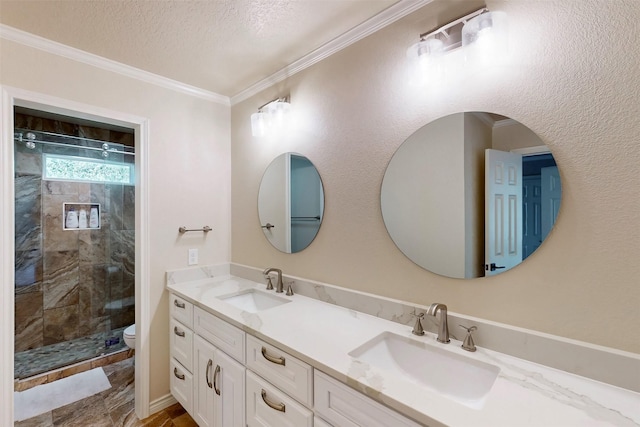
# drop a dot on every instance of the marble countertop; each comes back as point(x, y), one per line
point(322, 334)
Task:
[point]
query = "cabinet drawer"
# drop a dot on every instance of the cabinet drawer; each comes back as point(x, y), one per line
point(181, 310)
point(224, 336)
point(181, 344)
point(181, 384)
point(269, 407)
point(289, 374)
point(345, 407)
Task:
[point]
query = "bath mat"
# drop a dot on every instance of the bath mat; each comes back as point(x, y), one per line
point(47, 397)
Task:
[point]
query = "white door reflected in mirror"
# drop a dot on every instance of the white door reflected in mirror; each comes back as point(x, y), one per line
point(433, 195)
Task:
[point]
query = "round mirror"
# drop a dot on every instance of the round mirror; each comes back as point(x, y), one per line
point(291, 202)
point(470, 195)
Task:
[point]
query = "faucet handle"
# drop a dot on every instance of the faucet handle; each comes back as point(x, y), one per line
point(418, 329)
point(290, 288)
point(468, 343)
point(269, 284)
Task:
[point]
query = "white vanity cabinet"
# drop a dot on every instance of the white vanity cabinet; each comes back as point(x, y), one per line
point(342, 406)
point(224, 377)
point(281, 393)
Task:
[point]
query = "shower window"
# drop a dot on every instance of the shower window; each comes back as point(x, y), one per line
point(69, 168)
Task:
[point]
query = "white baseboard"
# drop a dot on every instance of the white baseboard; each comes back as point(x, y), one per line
point(162, 403)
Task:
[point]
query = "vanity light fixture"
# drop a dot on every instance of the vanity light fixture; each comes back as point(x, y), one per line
point(270, 117)
point(482, 30)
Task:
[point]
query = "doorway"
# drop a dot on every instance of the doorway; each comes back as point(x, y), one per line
point(11, 98)
point(74, 281)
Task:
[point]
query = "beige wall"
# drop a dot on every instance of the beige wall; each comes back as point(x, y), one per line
point(572, 79)
point(189, 167)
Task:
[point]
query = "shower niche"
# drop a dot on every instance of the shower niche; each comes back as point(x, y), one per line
point(81, 216)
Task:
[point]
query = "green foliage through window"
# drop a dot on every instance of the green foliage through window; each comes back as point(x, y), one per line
point(68, 168)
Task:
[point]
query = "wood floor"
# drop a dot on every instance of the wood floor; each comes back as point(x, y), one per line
point(111, 408)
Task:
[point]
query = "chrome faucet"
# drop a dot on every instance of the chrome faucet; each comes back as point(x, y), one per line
point(279, 284)
point(443, 329)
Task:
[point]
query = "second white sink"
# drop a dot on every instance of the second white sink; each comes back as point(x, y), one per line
point(252, 300)
point(463, 379)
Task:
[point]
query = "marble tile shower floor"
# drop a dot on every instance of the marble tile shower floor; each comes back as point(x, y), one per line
point(111, 408)
point(44, 359)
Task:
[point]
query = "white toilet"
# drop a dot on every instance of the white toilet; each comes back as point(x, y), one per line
point(129, 336)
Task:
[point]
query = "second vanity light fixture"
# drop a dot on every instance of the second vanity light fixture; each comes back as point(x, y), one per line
point(482, 34)
point(270, 117)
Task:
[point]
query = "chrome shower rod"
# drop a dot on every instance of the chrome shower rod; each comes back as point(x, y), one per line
point(19, 136)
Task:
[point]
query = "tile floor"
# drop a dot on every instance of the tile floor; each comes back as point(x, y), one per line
point(111, 408)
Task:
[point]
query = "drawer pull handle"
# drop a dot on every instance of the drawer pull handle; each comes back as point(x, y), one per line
point(215, 380)
point(178, 376)
point(178, 304)
point(206, 374)
point(272, 359)
point(178, 332)
point(277, 406)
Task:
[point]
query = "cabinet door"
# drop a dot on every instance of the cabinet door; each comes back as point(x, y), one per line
point(228, 387)
point(203, 369)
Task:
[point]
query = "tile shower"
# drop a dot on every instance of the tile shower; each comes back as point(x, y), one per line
point(74, 289)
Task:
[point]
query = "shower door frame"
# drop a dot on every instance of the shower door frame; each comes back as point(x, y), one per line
point(12, 97)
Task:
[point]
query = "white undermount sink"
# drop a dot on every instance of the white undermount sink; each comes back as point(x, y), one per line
point(253, 300)
point(463, 379)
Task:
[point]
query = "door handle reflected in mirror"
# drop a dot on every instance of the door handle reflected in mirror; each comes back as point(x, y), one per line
point(493, 267)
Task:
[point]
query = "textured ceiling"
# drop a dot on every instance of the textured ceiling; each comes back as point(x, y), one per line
point(222, 46)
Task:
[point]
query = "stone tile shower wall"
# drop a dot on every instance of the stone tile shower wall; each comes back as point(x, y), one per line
point(70, 283)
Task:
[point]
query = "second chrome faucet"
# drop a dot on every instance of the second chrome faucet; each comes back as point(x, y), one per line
point(443, 328)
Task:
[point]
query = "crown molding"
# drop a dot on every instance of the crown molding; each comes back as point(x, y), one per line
point(37, 42)
point(376, 23)
point(381, 20)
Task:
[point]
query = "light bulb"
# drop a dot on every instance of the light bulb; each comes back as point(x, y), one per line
point(427, 57)
point(277, 111)
point(258, 124)
point(485, 38)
